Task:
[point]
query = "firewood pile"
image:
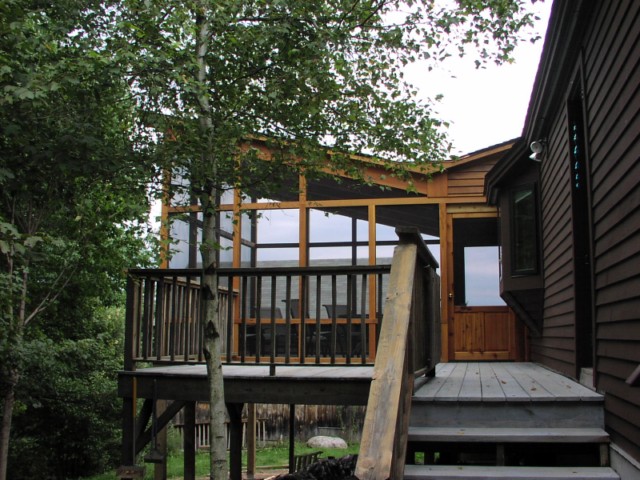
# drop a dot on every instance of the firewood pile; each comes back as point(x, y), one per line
point(325, 469)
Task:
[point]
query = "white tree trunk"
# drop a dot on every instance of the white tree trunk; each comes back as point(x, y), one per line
point(213, 349)
point(209, 203)
point(5, 432)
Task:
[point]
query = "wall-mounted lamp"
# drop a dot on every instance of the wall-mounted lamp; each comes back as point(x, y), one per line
point(537, 149)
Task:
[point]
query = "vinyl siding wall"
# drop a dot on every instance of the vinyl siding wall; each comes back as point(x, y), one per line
point(610, 69)
point(612, 79)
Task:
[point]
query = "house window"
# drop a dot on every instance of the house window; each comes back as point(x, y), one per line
point(524, 231)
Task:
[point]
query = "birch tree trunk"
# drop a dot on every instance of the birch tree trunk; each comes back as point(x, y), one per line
point(209, 250)
point(7, 413)
point(212, 347)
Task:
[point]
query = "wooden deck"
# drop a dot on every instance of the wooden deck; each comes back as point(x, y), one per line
point(332, 385)
point(501, 382)
point(313, 385)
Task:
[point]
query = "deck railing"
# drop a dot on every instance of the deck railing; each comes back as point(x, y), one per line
point(267, 315)
point(277, 315)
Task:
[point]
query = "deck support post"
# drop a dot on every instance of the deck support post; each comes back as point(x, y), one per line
point(189, 439)
point(160, 469)
point(292, 437)
point(251, 439)
point(235, 440)
point(128, 455)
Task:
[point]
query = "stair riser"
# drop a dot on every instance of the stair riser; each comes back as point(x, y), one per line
point(418, 472)
point(503, 415)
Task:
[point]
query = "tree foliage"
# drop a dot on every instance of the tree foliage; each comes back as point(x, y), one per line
point(73, 201)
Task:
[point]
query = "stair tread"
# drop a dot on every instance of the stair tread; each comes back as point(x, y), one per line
point(501, 434)
point(472, 472)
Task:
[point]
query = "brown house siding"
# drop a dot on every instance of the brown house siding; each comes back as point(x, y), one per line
point(612, 79)
point(589, 76)
point(469, 179)
point(556, 348)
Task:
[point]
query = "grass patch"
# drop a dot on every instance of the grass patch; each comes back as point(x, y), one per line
point(266, 458)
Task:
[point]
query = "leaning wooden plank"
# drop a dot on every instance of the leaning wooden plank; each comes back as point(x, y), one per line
point(378, 447)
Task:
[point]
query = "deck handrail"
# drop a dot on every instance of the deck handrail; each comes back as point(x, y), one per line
point(164, 305)
point(412, 304)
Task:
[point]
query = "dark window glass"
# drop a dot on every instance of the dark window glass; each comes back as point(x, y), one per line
point(524, 234)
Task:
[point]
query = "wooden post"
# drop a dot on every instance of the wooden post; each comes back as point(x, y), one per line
point(189, 439)
point(128, 456)
point(251, 439)
point(235, 440)
point(292, 437)
point(160, 469)
point(446, 269)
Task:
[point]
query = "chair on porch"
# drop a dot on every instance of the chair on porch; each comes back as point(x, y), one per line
point(266, 332)
point(310, 330)
point(342, 311)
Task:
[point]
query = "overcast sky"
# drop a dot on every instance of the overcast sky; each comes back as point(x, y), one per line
point(485, 106)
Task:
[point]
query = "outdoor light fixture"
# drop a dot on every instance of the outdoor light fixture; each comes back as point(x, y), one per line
point(537, 149)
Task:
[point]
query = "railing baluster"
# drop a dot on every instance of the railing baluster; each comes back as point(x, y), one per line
point(199, 330)
point(364, 340)
point(258, 318)
point(334, 319)
point(130, 325)
point(244, 297)
point(230, 313)
point(347, 339)
point(159, 319)
point(186, 308)
point(318, 334)
point(303, 289)
point(287, 316)
point(274, 332)
point(146, 318)
point(172, 318)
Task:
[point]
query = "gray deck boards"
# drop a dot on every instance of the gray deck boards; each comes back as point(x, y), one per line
point(320, 385)
point(498, 381)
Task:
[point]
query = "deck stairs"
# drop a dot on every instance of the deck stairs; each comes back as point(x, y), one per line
point(506, 421)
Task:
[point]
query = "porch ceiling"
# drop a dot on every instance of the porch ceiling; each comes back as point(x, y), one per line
point(424, 217)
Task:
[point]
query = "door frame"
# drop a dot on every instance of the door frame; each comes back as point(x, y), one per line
point(447, 215)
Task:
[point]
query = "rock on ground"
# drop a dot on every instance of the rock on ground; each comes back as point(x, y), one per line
point(321, 441)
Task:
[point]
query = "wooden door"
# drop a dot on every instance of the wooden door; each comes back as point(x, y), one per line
point(484, 333)
point(480, 325)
